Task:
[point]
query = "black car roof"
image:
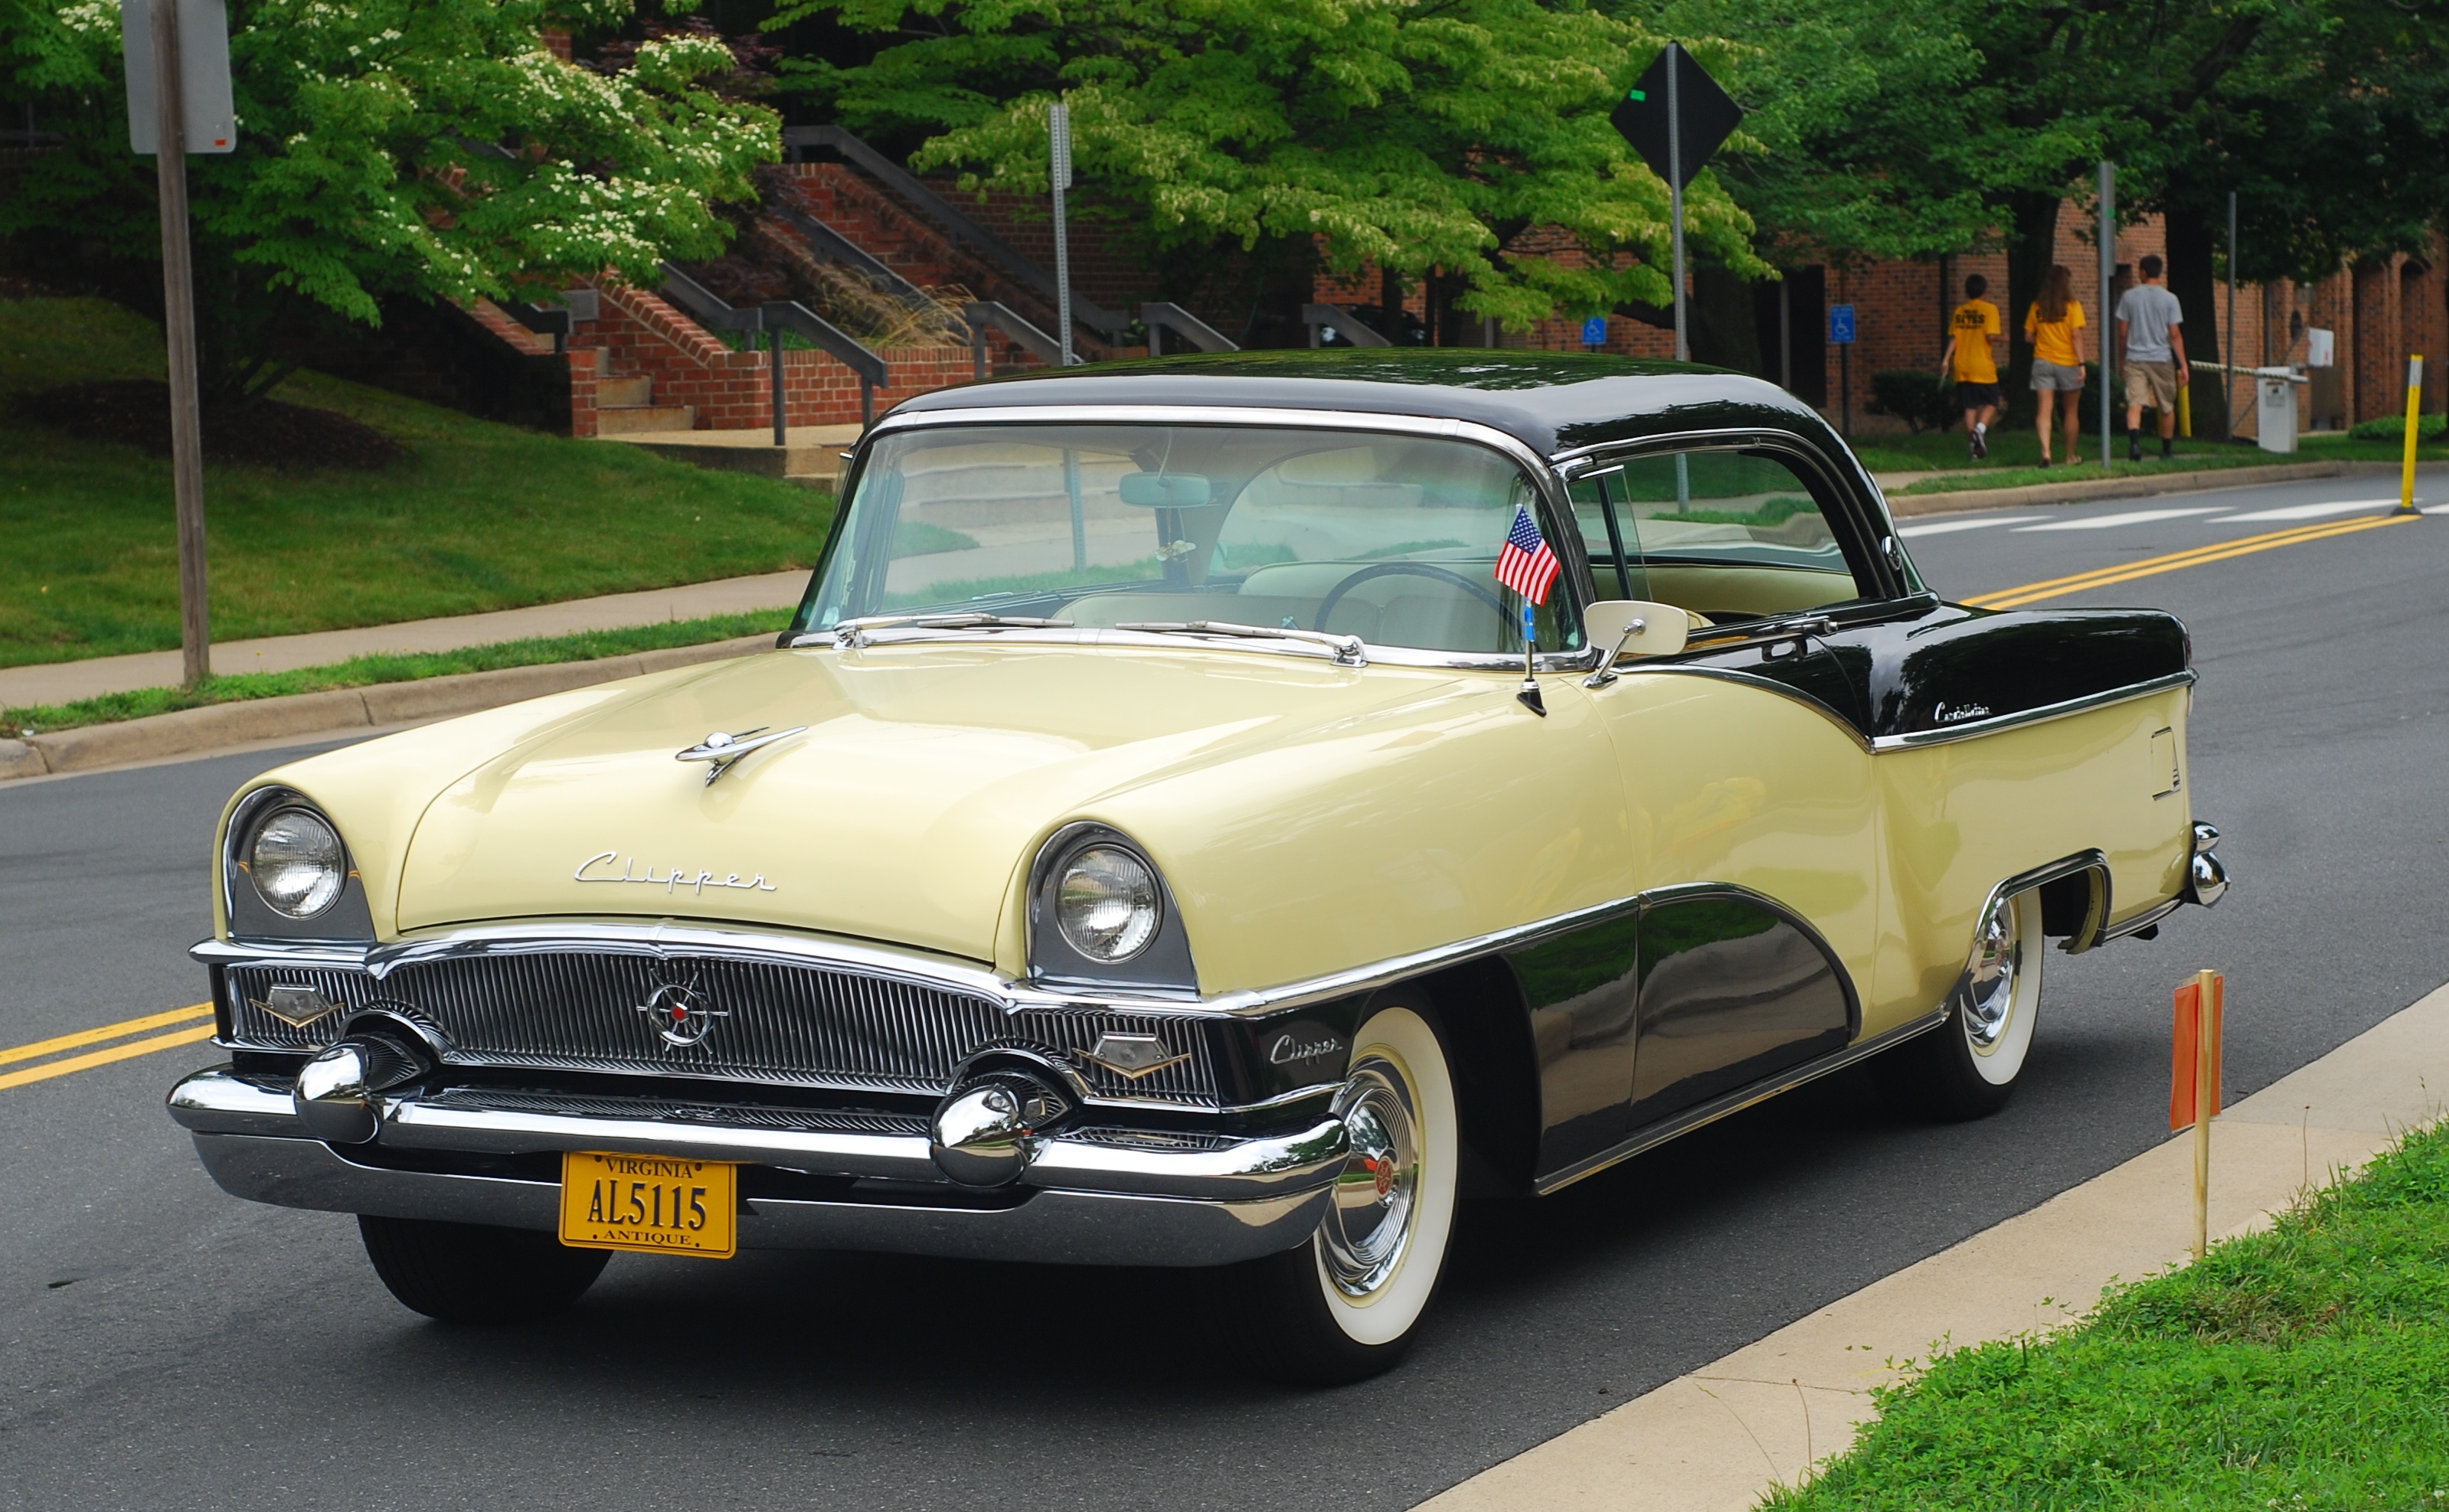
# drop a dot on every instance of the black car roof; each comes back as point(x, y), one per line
point(1550, 401)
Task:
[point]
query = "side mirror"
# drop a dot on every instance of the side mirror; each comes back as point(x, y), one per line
point(1635, 628)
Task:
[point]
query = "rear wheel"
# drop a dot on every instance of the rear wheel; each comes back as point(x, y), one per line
point(468, 1273)
point(1967, 1067)
point(1347, 1305)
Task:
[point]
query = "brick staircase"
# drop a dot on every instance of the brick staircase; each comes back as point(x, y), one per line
point(626, 404)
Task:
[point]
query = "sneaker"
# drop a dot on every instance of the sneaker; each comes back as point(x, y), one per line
point(2134, 450)
point(2166, 450)
point(1980, 442)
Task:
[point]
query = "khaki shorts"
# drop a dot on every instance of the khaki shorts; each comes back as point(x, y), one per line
point(2152, 385)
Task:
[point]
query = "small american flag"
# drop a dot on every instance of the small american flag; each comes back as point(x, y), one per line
point(1526, 564)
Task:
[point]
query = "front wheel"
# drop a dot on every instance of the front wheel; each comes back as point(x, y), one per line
point(469, 1273)
point(1346, 1305)
point(1967, 1067)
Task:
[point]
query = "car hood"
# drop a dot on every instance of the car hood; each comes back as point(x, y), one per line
point(907, 811)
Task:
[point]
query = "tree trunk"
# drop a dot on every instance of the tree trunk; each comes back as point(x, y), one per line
point(2192, 279)
point(1390, 306)
point(2029, 256)
point(1724, 328)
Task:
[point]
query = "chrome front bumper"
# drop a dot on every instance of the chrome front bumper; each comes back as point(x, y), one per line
point(1081, 1202)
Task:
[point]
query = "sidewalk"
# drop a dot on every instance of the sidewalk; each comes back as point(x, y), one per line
point(66, 681)
point(1721, 1438)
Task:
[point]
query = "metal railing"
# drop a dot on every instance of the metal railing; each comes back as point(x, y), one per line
point(831, 245)
point(1183, 324)
point(542, 320)
point(963, 228)
point(1342, 323)
point(711, 311)
point(985, 313)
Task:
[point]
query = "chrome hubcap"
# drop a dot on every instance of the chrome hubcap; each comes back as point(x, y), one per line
point(1989, 990)
point(1377, 1198)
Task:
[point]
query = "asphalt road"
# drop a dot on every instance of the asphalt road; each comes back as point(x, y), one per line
point(162, 1344)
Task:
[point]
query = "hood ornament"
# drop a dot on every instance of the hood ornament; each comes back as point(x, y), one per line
point(720, 750)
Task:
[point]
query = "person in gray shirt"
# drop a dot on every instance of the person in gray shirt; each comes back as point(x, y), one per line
point(2151, 329)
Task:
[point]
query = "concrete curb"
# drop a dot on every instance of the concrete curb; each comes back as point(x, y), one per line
point(2080, 492)
point(193, 731)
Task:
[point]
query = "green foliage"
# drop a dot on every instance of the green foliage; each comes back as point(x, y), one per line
point(1411, 138)
point(363, 672)
point(2304, 1367)
point(430, 148)
point(1924, 401)
point(479, 516)
point(2393, 428)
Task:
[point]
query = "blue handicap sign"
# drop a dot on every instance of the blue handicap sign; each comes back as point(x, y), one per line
point(1841, 324)
point(1594, 331)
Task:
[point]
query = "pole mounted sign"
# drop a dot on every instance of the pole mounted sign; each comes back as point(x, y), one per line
point(178, 103)
point(1676, 117)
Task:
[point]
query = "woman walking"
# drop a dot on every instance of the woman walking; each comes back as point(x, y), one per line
point(2054, 327)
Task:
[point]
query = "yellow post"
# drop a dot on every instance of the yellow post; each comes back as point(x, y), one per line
point(2414, 423)
point(2186, 412)
point(2206, 1026)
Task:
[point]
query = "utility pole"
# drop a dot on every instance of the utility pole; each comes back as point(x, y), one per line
point(2107, 235)
point(1058, 125)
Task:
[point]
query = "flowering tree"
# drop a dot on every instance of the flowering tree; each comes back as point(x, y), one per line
point(433, 148)
point(1405, 136)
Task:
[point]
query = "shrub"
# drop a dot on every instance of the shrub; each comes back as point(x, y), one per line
point(1916, 398)
point(2393, 428)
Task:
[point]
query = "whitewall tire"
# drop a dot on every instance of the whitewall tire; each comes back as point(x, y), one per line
point(1347, 1305)
point(1968, 1067)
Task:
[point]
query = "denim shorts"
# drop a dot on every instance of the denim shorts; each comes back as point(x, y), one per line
point(2057, 377)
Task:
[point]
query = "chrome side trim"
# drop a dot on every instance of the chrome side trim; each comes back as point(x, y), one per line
point(2096, 917)
point(2144, 920)
point(1054, 1226)
point(1735, 1102)
point(1971, 728)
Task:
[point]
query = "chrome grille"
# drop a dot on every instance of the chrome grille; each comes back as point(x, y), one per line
point(784, 1025)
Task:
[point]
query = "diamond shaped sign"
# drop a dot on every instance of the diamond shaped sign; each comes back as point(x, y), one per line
point(1710, 114)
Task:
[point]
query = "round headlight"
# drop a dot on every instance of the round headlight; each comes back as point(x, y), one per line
point(296, 864)
point(1106, 904)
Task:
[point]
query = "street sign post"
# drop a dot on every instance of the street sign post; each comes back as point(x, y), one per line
point(1059, 127)
point(1840, 336)
point(2107, 234)
point(178, 63)
point(1676, 117)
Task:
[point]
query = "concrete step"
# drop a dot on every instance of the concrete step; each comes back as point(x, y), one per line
point(810, 453)
point(625, 393)
point(661, 417)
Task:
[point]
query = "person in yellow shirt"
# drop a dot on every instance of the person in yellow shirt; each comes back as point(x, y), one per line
point(2054, 327)
point(1969, 359)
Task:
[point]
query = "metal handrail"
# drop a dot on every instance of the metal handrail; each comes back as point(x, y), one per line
point(831, 243)
point(907, 185)
point(985, 313)
point(1189, 327)
point(541, 319)
point(1336, 318)
point(709, 309)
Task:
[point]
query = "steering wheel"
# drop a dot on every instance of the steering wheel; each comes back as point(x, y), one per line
point(1409, 570)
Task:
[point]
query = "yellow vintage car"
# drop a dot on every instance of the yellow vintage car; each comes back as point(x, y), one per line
point(1165, 836)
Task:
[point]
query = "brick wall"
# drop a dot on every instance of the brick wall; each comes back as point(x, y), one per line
point(637, 333)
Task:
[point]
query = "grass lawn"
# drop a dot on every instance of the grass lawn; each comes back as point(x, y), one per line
point(360, 672)
point(2016, 454)
point(2304, 1366)
point(480, 516)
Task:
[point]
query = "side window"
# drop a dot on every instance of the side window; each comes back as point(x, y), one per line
point(1727, 535)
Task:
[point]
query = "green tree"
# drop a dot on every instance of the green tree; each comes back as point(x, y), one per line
point(1411, 138)
point(429, 148)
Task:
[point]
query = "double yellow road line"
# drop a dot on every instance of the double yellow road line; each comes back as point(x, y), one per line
point(2174, 561)
point(196, 1021)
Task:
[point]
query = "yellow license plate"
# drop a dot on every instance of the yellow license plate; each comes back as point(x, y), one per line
point(658, 1203)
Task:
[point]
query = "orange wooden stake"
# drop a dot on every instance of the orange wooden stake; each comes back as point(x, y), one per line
point(2194, 1083)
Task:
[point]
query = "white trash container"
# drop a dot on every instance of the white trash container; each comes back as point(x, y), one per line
point(2275, 409)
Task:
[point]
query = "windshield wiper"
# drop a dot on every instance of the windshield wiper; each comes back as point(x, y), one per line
point(1347, 648)
point(852, 634)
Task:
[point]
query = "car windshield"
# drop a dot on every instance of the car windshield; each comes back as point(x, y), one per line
point(1392, 539)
